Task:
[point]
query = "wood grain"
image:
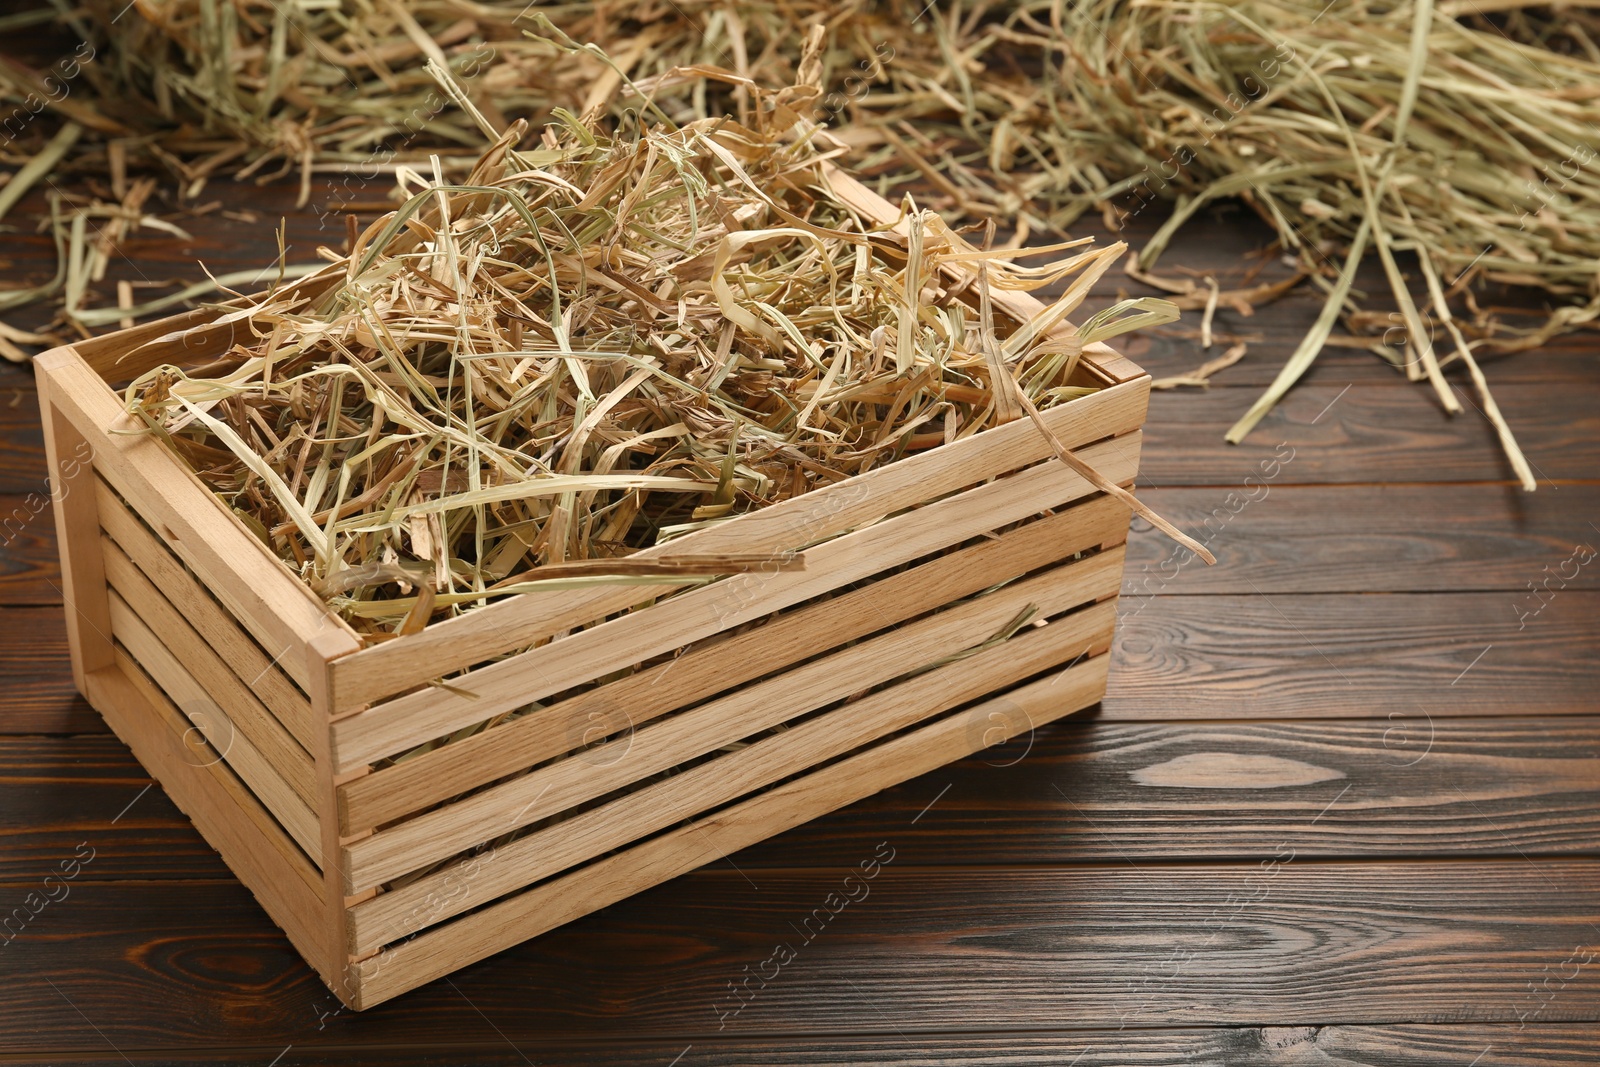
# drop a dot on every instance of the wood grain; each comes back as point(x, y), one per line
point(37, 696)
point(1069, 796)
point(1498, 1045)
point(1353, 656)
point(172, 965)
point(1371, 433)
point(1084, 790)
point(1366, 539)
point(30, 569)
point(58, 793)
point(24, 468)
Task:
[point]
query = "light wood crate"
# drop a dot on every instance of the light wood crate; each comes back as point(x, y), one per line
point(267, 722)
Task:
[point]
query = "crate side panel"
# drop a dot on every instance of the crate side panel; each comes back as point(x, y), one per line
point(721, 663)
point(208, 720)
point(706, 728)
point(469, 939)
point(206, 614)
point(551, 850)
point(220, 686)
point(617, 644)
point(379, 672)
point(227, 814)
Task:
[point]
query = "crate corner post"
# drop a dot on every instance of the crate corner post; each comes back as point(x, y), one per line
point(343, 969)
point(69, 455)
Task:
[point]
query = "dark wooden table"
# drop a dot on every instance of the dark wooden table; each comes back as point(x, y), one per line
point(1340, 806)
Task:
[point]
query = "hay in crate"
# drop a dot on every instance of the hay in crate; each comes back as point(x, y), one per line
point(599, 343)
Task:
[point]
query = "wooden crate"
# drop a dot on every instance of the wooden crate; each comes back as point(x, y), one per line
point(270, 725)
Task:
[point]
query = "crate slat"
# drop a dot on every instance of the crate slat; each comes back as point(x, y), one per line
point(549, 851)
point(439, 834)
point(240, 753)
point(378, 672)
point(210, 672)
point(183, 339)
point(218, 685)
point(409, 721)
point(224, 810)
point(266, 678)
point(707, 669)
point(439, 952)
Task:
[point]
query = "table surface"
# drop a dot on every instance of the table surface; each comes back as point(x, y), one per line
point(1341, 804)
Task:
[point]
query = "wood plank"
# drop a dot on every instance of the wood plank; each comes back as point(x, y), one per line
point(212, 734)
point(199, 609)
point(254, 846)
point(739, 715)
point(169, 966)
point(1366, 538)
point(1344, 655)
point(1276, 329)
point(580, 658)
point(546, 852)
point(71, 488)
point(277, 608)
point(382, 670)
point(954, 951)
point(37, 696)
point(1522, 793)
point(57, 794)
point(220, 689)
point(439, 952)
point(30, 566)
point(1159, 946)
point(342, 979)
point(723, 662)
point(1085, 790)
point(1372, 433)
point(26, 467)
point(1453, 1045)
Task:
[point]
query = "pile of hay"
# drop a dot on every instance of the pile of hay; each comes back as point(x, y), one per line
point(1382, 128)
